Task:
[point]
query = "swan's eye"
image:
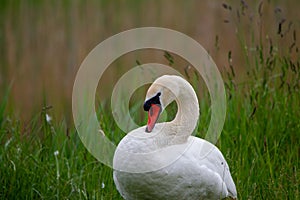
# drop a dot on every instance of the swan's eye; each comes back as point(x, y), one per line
point(153, 100)
point(147, 106)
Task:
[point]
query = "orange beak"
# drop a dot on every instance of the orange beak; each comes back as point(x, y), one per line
point(153, 115)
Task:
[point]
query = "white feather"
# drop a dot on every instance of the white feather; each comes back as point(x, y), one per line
point(169, 163)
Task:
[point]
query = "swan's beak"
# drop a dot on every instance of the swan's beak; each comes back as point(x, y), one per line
point(153, 115)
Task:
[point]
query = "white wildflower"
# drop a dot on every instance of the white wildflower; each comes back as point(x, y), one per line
point(48, 118)
point(56, 153)
point(19, 150)
point(8, 142)
point(102, 185)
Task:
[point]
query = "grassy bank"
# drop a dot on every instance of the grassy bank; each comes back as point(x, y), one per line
point(45, 159)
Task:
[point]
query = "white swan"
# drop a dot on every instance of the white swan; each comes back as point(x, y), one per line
point(164, 161)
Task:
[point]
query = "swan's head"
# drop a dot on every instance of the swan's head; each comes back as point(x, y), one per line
point(161, 93)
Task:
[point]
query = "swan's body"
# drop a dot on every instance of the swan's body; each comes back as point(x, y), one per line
point(165, 161)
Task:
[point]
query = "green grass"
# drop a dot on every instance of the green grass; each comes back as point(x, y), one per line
point(260, 141)
point(30, 168)
point(46, 160)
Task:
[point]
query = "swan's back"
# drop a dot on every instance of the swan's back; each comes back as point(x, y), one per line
point(200, 173)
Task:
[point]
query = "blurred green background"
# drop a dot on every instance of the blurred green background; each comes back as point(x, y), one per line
point(42, 43)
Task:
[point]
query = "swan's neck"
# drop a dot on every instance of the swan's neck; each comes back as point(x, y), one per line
point(187, 115)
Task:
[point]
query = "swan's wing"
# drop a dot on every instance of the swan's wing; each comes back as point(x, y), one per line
point(210, 156)
point(222, 169)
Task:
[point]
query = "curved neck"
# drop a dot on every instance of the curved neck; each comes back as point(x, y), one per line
point(187, 115)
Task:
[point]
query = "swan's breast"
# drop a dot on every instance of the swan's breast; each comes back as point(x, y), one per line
point(190, 175)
